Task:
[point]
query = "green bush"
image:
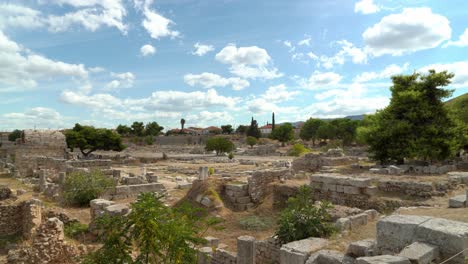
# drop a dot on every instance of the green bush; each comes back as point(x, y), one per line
point(149, 140)
point(256, 223)
point(75, 229)
point(251, 141)
point(231, 155)
point(219, 144)
point(298, 150)
point(82, 187)
point(211, 171)
point(302, 218)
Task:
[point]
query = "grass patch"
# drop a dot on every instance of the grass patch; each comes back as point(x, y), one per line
point(75, 229)
point(256, 223)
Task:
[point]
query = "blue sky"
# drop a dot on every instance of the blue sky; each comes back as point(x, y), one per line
point(213, 62)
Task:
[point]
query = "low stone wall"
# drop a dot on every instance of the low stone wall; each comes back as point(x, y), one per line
point(267, 251)
point(221, 256)
point(414, 169)
point(259, 182)
point(128, 191)
point(20, 218)
point(415, 189)
point(238, 196)
point(313, 162)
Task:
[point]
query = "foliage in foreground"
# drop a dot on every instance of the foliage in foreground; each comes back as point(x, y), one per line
point(298, 150)
point(302, 218)
point(152, 233)
point(219, 144)
point(80, 188)
point(415, 125)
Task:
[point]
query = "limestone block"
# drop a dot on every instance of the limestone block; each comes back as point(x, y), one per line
point(351, 190)
point(206, 201)
point(299, 251)
point(358, 220)
point(420, 253)
point(395, 232)
point(371, 190)
point(372, 214)
point(204, 255)
point(387, 259)
point(329, 187)
point(243, 200)
point(245, 250)
point(329, 257)
point(339, 188)
point(212, 241)
point(450, 236)
point(343, 224)
point(184, 185)
point(362, 248)
point(458, 201)
point(359, 182)
point(236, 187)
point(117, 209)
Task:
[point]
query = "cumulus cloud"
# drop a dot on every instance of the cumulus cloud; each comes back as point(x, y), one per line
point(320, 80)
point(122, 80)
point(386, 73)
point(261, 106)
point(278, 93)
point(23, 69)
point(461, 42)
point(201, 49)
point(155, 24)
point(366, 7)
point(207, 118)
point(147, 50)
point(305, 42)
point(347, 50)
point(412, 30)
point(39, 117)
point(20, 16)
point(459, 68)
point(210, 80)
point(248, 62)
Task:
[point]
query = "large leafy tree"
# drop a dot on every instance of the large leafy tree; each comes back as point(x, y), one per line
point(89, 139)
point(153, 129)
point(138, 129)
point(219, 144)
point(123, 130)
point(227, 129)
point(310, 128)
point(241, 129)
point(283, 133)
point(152, 233)
point(415, 124)
point(14, 135)
point(253, 130)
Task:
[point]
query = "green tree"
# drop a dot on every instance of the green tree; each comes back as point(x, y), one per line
point(138, 129)
point(345, 129)
point(89, 139)
point(153, 129)
point(219, 144)
point(253, 130)
point(415, 124)
point(152, 233)
point(80, 188)
point(14, 135)
point(273, 125)
point(251, 141)
point(241, 129)
point(227, 129)
point(283, 133)
point(182, 124)
point(310, 128)
point(124, 130)
point(298, 149)
point(326, 131)
point(302, 218)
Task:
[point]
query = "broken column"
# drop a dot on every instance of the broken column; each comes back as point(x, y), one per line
point(203, 173)
point(245, 250)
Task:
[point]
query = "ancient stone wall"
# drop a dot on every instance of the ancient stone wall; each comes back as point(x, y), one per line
point(267, 251)
point(238, 196)
point(313, 162)
point(415, 189)
point(259, 182)
point(221, 256)
point(128, 191)
point(20, 218)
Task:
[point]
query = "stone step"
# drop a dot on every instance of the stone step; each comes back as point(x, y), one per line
point(383, 259)
point(420, 253)
point(458, 201)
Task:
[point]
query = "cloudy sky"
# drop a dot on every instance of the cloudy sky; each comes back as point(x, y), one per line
point(213, 62)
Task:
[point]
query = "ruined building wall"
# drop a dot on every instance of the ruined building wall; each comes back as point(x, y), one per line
point(20, 218)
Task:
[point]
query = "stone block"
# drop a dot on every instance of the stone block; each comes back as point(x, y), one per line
point(343, 224)
point(450, 236)
point(371, 190)
point(206, 201)
point(212, 241)
point(339, 188)
point(184, 185)
point(362, 248)
point(384, 259)
point(245, 250)
point(458, 201)
point(358, 220)
point(372, 214)
point(359, 182)
point(236, 187)
point(329, 187)
point(420, 253)
point(351, 190)
point(395, 232)
point(243, 200)
point(299, 251)
point(117, 209)
point(329, 257)
point(204, 255)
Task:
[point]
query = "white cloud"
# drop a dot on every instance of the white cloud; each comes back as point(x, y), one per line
point(261, 106)
point(157, 25)
point(201, 49)
point(147, 50)
point(459, 68)
point(305, 42)
point(20, 16)
point(348, 50)
point(287, 43)
point(210, 80)
point(23, 69)
point(312, 56)
point(320, 80)
point(96, 69)
point(248, 62)
point(39, 117)
point(207, 118)
point(366, 7)
point(412, 30)
point(122, 80)
point(278, 93)
point(388, 72)
point(461, 42)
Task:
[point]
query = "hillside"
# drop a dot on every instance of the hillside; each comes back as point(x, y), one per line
point(460, 106)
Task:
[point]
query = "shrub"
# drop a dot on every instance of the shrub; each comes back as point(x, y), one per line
point(251, 141)
point(298, 150)
point(302, 218)
point(231, 155)
point(82, 187)
point(75, 229)
point(149, 140)
point(256, 223)
point(211, 171)
point(14, 135)
point(219, 144)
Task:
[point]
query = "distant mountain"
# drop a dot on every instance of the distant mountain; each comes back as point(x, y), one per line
point(459, 105)
point(355, 117)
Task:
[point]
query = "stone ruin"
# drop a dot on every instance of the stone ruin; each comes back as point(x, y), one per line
point(312, 162)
